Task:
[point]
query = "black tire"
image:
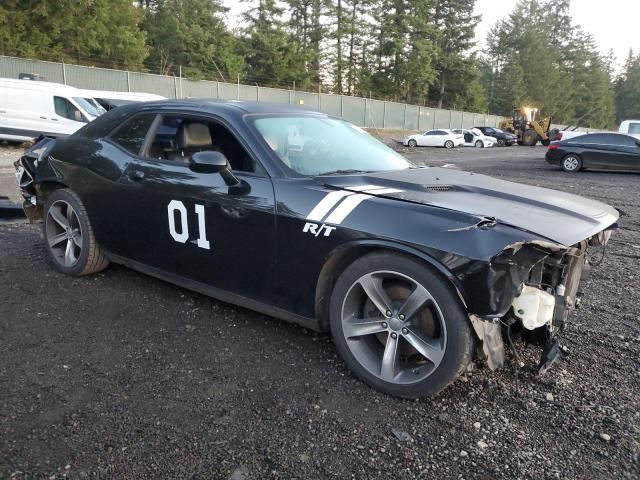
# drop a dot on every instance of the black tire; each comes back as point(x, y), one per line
point(448, 144)
point(530, 137)
point(571, 163)
point(412, 143)
point(501, 142)
point(91, 258)
point(458, 345)
point(479, 144)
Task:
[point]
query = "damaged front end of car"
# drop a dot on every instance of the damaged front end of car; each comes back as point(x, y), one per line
point(534, 287)
point(29, 172)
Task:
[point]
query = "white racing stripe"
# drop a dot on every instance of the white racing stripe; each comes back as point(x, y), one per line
point(345, 208)
point(346, 202)
point(326, 204)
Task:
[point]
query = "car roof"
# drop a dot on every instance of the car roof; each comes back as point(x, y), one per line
point(136, 96)
point(40, 86)
point(238, 107)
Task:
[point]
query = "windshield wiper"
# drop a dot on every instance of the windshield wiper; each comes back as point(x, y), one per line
point(342, 172)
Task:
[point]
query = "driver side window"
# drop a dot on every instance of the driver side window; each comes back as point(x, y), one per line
point(66, 109)
point(179, 137)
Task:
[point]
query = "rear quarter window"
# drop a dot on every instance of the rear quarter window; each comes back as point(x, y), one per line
point(132, 133)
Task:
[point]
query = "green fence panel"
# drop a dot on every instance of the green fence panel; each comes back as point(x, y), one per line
point(198, 88)
point(375, 114)
point(228, 91)
point(274, 95)
point(249, 92)
point(456, 119)
point(394, 115)
point(331, 105)
point(306, 100)
point(148, 83)
point(91, 78)
point(10, 67)
point(443, 119)
point(427, 119)
point(412, 117)
point(353, 110)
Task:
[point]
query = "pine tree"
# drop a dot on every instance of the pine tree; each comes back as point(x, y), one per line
point(191, 34)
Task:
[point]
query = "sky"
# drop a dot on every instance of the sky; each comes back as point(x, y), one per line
point(612, 23)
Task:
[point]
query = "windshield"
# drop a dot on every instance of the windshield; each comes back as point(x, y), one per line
point(88, 106)
point(315, 146)
point(95, 103)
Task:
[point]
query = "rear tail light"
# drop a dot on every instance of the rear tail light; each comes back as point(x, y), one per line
point(553, 146)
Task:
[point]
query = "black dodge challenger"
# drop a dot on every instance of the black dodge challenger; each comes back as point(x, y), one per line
point(414, 271)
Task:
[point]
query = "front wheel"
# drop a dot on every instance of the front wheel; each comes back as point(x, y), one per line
point(479, 144)
point(398, 326)
point(68, 235)
point(571, 163)
point(448, 144)
point(530, 138)
point(412, 143)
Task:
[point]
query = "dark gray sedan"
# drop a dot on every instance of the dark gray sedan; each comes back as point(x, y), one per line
point(597, 151)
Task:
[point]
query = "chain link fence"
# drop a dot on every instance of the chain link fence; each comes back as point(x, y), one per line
point(363, 112)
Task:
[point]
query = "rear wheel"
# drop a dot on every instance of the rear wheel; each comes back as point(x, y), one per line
point(448, 144)
point(69, 237)
point(398, 326)
point(571, 163)
point(529, 137)
point(501, 142)
point(412, 143)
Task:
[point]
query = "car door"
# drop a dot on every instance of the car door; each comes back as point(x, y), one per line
point(627, 153)
point(594, 150)
point(194, 226)
point(430, 138)
point(66, 117)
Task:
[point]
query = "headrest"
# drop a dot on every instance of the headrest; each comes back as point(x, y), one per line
point(194, 135)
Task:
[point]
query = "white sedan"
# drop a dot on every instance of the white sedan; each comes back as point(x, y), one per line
point(475, 138)
point(435, 138)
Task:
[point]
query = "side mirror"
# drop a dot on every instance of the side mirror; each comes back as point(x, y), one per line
point(213, 162)
point(78, 117)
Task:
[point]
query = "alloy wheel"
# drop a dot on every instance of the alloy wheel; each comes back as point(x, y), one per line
point(64, 233)
point(570, 163)
point(394, 327)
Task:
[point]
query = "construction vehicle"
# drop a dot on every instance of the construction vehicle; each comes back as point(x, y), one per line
point(528, 129)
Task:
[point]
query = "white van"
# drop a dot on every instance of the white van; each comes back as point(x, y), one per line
point(630, 127)
point(109, 100)
point(29, 109)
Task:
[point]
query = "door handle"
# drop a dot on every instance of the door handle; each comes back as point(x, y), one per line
point(136, 175)
point(43, 118)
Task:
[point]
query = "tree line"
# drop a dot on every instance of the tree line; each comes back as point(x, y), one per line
point(415, 51)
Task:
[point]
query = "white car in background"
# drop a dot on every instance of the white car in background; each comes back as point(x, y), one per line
point(475, 138)
point(630, 127)
point(435, 138)
point(109, 100)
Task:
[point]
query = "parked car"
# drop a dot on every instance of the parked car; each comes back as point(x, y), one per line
point(410, 269)
point(110, 100)
point(630, 127)
point(475, 138)
point(29, 109)
point(435, 138)
point(598, 151)
point(502, 138)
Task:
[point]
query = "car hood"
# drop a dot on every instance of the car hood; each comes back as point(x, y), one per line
point(557, 216)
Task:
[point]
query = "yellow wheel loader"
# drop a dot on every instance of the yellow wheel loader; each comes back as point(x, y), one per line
point(529, 130)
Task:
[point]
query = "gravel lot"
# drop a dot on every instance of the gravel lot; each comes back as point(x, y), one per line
point(119, 375)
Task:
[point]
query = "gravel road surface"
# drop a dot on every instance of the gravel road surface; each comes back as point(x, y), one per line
point(119, 375)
